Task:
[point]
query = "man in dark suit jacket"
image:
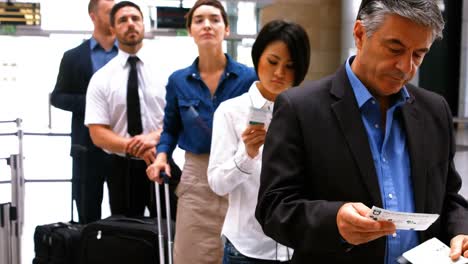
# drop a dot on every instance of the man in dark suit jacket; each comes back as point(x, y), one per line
point(364, 137)
point(90, 163)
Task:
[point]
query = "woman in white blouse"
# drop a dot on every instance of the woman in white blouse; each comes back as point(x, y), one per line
point(281, 55)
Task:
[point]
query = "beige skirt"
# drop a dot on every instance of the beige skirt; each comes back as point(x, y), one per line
point(200, 215)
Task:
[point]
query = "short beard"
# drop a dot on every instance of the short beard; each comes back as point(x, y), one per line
point(131, 43)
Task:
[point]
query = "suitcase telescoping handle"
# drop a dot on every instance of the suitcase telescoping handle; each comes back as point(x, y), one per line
point(165, 178)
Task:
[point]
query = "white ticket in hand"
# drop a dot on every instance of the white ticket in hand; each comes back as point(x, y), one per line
point(432, 251)
point(403, 221)
point(259, 116)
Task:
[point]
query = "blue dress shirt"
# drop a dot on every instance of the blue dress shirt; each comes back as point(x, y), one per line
point(188, 116)
point(391, 159)
point(99, 56)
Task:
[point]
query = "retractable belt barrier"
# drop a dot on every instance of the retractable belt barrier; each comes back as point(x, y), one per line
point(12, 213)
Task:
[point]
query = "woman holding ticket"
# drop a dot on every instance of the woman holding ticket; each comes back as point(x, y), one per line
point(281, 55)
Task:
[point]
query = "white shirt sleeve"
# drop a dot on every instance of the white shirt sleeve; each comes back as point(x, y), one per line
point(97, 102)
point(229, 163)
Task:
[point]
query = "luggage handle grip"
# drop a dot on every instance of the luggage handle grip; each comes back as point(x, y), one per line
point(164, 176)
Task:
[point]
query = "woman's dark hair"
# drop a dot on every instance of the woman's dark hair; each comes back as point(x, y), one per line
point(120, 5)
point(294, 36)
point(215, 3)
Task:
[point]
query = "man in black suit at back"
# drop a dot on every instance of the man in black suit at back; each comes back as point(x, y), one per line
point(363, 137)
point(90, 163)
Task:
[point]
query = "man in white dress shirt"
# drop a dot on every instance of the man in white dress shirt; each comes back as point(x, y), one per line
point(130, 191)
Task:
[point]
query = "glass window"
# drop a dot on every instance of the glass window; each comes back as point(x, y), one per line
point(25, 92)
point(65, 15)
point(244, 50)
point(43, 209)
point(47, 157)
point(5, 192)
point(5, 176)
point(246, 18)
point(174, 3)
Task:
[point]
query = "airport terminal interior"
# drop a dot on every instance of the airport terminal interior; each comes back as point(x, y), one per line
point(39, 133)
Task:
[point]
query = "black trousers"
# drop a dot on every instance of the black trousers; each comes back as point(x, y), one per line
point(91, 168)
point(130, 190)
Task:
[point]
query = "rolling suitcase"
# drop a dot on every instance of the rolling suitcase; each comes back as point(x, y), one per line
point(122, 240)
point(57, 243)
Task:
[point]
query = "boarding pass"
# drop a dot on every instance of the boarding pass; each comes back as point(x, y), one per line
point(433, 251)
point(403, 221)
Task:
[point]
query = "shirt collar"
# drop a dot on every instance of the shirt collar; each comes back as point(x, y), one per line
point(257, 99)
point(360, 91)
point(231, 68)
point(141, 54)
point(93, 44)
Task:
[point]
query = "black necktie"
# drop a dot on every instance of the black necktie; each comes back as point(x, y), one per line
point(133, 101)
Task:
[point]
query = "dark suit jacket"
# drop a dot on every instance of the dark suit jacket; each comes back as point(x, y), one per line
point(70, 92)
point(317, 157)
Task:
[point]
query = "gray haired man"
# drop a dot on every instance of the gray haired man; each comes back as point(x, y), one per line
point(363, 137)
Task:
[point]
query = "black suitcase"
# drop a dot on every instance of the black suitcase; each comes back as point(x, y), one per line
point(57, 243)
point(121, 240)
